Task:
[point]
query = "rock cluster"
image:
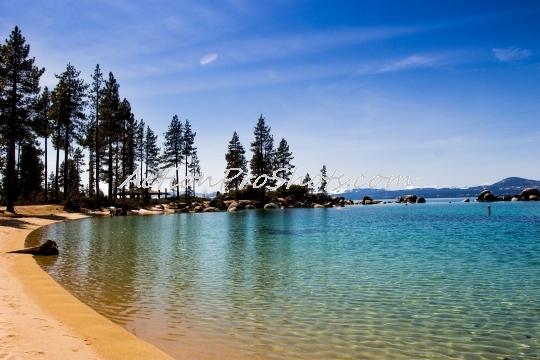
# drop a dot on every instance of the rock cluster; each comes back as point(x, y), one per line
point(410, 199)
point(529, 194)
point(227, 204)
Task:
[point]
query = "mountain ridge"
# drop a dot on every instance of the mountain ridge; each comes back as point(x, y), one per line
point(511, 186)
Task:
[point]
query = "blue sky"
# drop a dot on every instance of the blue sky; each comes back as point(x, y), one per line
point(447, 92)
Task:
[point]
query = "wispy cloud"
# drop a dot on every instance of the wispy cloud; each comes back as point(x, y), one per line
point(427, 60)
point(511, 53)
point(414, 61)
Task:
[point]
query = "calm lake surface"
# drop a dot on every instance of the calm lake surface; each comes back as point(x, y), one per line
point(437, 280)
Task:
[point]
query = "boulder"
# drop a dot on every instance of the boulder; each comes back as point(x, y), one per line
point(49, 247)
point(241, 206)
point(483, 194)
point(211, 209)
point(400, 199)
point(507, 197)
point(232, 209)
point(271, 206)
point(233, 204)
point(183, 210)
point(250, 206)
point(466, 200)
point(533, 197)
point(488, 197)
point(218, 203)
point(366, 200)
point(319, 206)
point(528, 192)
point(410, 198)
point(515, 198)
point(420, 200)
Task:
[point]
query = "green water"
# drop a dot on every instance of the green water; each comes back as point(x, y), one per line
point(434, 280)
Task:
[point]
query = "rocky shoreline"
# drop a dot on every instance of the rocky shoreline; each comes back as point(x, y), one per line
point(304, 201)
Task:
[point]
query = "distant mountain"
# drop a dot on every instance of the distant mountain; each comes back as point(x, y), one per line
point(511, 186)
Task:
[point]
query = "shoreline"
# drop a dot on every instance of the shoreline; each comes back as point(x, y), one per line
point(38, 317)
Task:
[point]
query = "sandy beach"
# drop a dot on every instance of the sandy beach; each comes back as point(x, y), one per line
point(38, 318)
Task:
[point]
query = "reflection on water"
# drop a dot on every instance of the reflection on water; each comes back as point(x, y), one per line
point(424, 281)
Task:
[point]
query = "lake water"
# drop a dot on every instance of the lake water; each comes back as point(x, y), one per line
point(437, 280)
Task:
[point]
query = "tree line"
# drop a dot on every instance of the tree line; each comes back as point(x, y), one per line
point(78, 119)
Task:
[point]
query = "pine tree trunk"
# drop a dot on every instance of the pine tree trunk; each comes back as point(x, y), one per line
point(110, 177)
point(56, 185)
point(10, 188)
point(46, 182)
point(98, 205)
point(66, 167)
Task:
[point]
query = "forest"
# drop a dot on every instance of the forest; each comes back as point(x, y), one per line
point(102, 142)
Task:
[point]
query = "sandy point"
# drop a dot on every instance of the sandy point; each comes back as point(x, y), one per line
point(41, 320)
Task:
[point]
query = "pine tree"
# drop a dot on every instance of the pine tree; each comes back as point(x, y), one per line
point(31, 169)
point(283, 160)
point(19, 86)
point(95, 95)
point(263, 160)
point(43, 127)
point(129, 129)
point(235, 159)
point(139, 144)
point(78, 162)
point(195, 171)
point(173, 148)
point(68, 110)
point(110, 126)
point(151, 153)
point(188, 149)
point(307, 180)
point(322, 187)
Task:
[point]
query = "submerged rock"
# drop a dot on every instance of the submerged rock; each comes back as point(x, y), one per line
point(49, 247)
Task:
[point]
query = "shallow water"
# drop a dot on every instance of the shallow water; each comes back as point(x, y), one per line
point(434, 280)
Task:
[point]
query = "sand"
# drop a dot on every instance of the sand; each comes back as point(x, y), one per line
point(41, 320)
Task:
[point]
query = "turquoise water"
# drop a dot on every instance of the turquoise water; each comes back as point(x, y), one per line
point(434, 280)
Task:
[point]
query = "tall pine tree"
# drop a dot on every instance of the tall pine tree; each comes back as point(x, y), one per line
point(235, 159)
point(19, 86)
point(188, 150)
point(173, 148)
point(108, 114)
point(95, 95)
point(151, 153)
point(44, 127)
point(68, 109)
point(263, 160)
point(283, 160)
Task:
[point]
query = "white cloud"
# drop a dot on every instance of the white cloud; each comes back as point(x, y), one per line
point(414, 61)
point(511, 53)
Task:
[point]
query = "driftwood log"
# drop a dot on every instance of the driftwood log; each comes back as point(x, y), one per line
point(49, 247)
